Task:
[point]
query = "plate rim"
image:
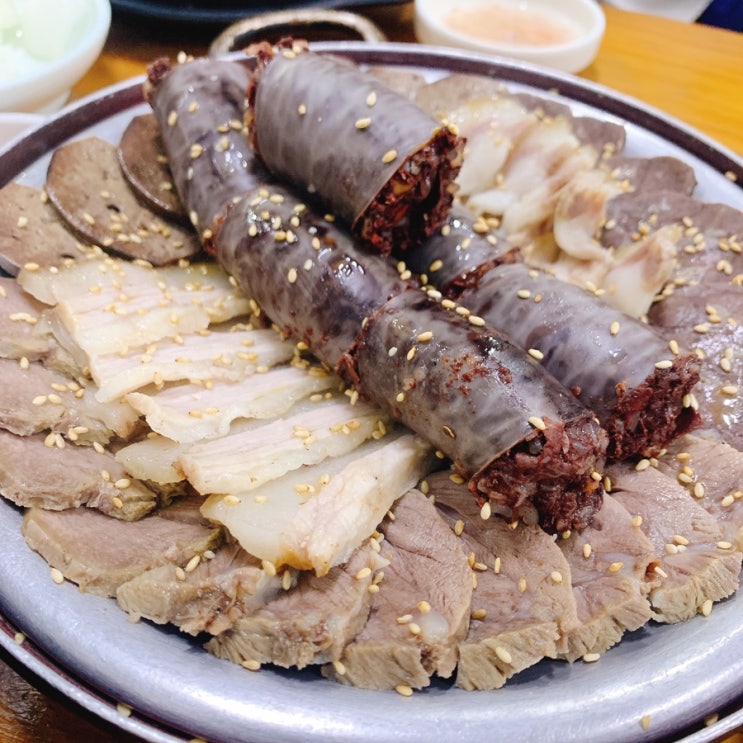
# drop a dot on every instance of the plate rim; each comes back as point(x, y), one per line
point(128, 94)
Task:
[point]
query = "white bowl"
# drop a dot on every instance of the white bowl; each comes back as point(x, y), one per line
point(561, 34)
point(45, 87)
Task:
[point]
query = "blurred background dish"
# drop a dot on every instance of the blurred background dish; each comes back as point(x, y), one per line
point(223, 11)
point(46, 46)
point(560, 34)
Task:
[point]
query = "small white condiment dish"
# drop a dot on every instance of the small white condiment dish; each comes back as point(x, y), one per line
point(561, 34)
point(46, 46)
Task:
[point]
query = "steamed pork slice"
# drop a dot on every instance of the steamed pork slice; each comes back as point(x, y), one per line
point(36, 471)
point(608, 565)
point(712, 473)
point(256, 452)
point(144, 163)
point(101, 280)
point(35, 399)
point(522, 600)
point(420, 609)
point(309, 623)
point(108, 305)
point(702, 306)
point(99, 553)
point(86, 185)
point(193, 411)
point(313, 517)
point(699, 566)
point(403, 80)
point(494, 127)
point(229, 354)
point(23, 333)
point(607, 137)
point(538, 168)
point(154, 458)
point(209, 595)
point(31, 231)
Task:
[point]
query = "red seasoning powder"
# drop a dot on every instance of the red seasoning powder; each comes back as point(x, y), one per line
point(511, 23)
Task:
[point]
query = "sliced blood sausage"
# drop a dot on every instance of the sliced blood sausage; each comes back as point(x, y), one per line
point(371, 155)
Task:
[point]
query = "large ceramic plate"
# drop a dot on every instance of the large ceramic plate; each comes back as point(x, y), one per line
point(222, 11)
point(84, 645)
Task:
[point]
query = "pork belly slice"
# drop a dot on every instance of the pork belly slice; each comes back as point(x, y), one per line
point(108, 305)
point(31, 231)
point(228, 354)
point(712, 473)
point(308, 624)
point(608, 565)
point(256, 452)
point(99, 553)
point(314, 516)
point(224, 586)
point(36, 472)
point(191, 412)
point(35, 399)
point(421, 608)
point(86, 185)
point(522, 601)
point(699, 566)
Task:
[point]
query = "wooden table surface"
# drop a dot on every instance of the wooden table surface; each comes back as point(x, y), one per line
point(690, 71)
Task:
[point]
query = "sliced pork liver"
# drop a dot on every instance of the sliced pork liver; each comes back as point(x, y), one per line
point(519, 611)
point(100, 553)
point(421, 610)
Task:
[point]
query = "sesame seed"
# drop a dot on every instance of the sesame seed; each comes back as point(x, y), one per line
point(57, 576)
point(538, 423)
point(642, 465)
point(364, 123)
point(425, 336)
point(523, 294)
point(363, 573)
point(503, 655)
point(389, 156)
point(587, 549)
point(645, 722)
point(706, 608)
point(665, 364)
point(404, 690)
point(556, 577)
point(723, 545)
point(251, 664)
point(458, 527)
point(486, 511)
point(475, 320)
point(535, 353)
point(615, 567)
point(591, 657)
